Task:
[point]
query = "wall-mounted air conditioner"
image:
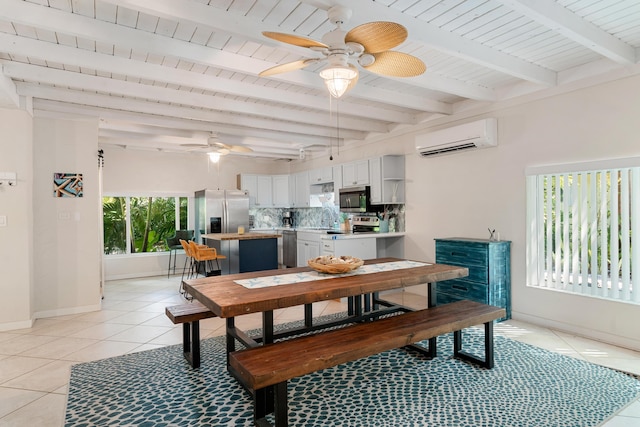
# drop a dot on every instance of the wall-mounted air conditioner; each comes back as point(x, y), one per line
point(479, 134)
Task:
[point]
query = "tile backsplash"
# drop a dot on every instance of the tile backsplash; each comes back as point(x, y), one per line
point(265, 218)
point(303, 217)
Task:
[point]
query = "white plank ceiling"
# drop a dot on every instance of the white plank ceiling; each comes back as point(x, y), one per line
point(164, 73)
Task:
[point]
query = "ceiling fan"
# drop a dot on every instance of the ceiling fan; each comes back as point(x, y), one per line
point(214, 146)
point(368, 44)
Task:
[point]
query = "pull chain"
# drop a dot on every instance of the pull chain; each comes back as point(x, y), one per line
point(330, 120)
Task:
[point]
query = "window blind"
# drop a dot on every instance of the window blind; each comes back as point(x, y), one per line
point(581, 234)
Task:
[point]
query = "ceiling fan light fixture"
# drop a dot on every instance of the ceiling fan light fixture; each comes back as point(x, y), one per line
point(214, 157)
point(338, 79)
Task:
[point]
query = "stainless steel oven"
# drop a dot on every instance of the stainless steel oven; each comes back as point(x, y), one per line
point(366, 224)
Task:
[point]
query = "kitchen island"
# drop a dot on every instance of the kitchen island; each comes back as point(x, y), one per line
point(245, 252)
point(364, 245)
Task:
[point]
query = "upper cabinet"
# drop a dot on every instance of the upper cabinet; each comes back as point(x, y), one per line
point(260, 188)
point(281, 191)
point(249, 183)
point(355, 173)
point(337, 178)
point(387, 179)
point(301, 190)
point(385, 175)
point(264, 198)
point(321, 176)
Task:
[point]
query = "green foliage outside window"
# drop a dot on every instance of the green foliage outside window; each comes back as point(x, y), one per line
point(115, 225)
point(151, 221)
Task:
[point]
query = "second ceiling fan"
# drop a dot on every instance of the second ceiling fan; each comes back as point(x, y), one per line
point(214, 146)
point(369, 44)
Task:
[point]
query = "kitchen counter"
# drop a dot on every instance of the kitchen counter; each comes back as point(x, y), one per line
point(363, 245)
point(246, 236)
point(245, 252)
point(344, 236)
point(327, 233)
point(314, 241)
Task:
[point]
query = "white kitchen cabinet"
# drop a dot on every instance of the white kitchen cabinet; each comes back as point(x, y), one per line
point(280, 185)
point(337, 179)
point(249, 182)
point(260, 188)
point(359, 248)
point(307, 246)
point(375, 180)
point(387, 179)
point(301, 190)
point(321, 175)
point(355, 173)
point(264, 196)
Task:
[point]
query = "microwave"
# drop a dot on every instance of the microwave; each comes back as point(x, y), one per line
point(355, 199)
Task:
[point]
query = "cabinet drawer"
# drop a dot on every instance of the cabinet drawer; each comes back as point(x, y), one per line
point(477, 274)
point(462, 289)
point(327, 246)
point(460, 254)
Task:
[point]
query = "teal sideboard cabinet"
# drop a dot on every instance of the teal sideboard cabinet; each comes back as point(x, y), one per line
point(489, 264)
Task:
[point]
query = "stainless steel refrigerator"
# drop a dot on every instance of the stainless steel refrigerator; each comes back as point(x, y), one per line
point(221, 211)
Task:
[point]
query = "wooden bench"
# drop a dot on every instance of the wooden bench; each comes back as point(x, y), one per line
point(190, 315)
point(260, 368)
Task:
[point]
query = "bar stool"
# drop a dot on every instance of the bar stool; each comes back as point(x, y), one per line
point(204, 254)
point(173, 243)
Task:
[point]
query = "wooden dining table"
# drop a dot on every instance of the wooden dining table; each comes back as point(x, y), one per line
point(229, 299)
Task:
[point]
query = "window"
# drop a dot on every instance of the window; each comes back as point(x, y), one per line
point(580, 234)
point(141, 224)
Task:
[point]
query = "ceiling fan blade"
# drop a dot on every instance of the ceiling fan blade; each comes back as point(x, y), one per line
point(194, 145)
point(377, 36)
point(289, 66)
point(240, 149)
point(294, 40)
point(228, 148)
point(396, 64)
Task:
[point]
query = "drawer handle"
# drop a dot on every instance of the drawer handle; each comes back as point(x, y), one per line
point(460, 288)
point(458, 254)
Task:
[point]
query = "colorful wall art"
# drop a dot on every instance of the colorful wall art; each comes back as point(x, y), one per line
point(67, 185)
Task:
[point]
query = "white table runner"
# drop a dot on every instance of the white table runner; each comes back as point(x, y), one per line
point(286, 279)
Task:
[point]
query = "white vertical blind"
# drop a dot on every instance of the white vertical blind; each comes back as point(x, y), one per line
point(625, 271)
point(614, 238)
point(593, 223)
point(584, 232)
point(602, 229)
point(584, 222)
point(634, 225)
point(575, 233)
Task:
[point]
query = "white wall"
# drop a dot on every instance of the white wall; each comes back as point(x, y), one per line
point(16, 204)
point(137, 172)
point(66, 249)
point(49, 259)
point(465, 193)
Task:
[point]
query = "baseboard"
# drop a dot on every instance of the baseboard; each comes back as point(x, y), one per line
point(67, 311)
point(138, 275)
point(604, 337)
point(12, 326)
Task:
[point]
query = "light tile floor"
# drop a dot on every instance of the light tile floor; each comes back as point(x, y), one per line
point(35, 362)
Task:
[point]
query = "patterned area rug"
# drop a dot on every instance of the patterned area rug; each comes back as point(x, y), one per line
point(528, 386)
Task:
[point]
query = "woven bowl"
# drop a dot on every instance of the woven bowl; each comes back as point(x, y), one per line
point(320, 265)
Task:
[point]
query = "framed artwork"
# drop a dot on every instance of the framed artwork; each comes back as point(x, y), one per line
point(67, 185)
